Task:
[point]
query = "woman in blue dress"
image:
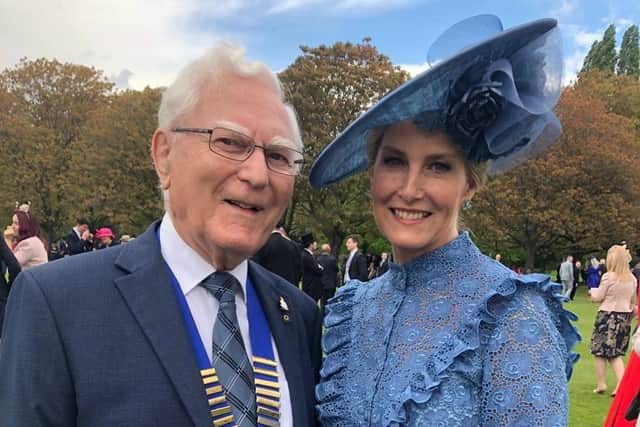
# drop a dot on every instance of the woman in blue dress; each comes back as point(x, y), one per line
point(448, 336)
point(594, 272)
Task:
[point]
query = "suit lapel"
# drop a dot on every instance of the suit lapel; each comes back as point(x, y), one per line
point(284, 334)
point(148, 292)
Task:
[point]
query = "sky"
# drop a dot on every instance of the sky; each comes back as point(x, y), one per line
point(139, 43)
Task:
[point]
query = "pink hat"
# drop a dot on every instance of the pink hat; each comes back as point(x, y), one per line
point(104, 232)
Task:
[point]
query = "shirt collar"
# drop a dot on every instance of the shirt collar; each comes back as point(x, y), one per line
point(77, 232)
point(186, 264)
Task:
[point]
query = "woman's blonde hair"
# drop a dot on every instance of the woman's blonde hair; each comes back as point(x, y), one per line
point(618, 259)
point(477, 172)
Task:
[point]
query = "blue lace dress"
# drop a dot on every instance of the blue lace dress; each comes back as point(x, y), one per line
point(451, 338)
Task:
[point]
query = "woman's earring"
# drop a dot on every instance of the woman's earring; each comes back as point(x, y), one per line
point(466, 205)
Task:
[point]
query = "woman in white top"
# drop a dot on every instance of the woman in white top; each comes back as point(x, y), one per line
point(30, 250)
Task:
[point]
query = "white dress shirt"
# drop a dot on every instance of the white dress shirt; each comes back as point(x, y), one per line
point(348, 264)
point(190, 269)
point(77, 232)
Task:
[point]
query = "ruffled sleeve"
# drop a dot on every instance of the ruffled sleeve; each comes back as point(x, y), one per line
point(528, 357)
point(336, 341)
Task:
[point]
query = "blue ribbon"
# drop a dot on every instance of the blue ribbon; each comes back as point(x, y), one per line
point(259, 330)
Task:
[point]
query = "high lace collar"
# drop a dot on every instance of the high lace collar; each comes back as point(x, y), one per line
point(454, 255)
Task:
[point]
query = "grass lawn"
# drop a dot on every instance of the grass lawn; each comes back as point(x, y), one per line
point(586, 409)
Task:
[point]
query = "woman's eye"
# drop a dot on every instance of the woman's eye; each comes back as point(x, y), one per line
point(392, 161)
point(439, 167)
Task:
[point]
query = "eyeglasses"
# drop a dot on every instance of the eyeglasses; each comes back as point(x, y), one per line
point(236, 146)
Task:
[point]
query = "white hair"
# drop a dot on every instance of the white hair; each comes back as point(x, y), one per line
point(212, 69)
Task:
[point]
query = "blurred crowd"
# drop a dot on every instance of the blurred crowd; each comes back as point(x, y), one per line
point(314, 267)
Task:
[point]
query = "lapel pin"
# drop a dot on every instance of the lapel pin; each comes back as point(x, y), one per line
point(284, 308)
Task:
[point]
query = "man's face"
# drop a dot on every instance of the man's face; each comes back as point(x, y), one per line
point(225, 209)
point(82, 228)
point(351, 245)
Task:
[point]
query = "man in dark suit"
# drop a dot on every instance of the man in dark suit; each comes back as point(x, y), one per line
point(329, 273)
point(311, 270)
point(79, 239)
point(355, 267)
point(178, 327)
point(281, 255)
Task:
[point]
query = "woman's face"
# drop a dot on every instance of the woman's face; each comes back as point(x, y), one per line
point(15, 225)
point(418, 184)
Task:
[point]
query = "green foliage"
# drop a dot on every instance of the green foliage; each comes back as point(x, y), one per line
point(602, 55)
point(587, 64)
point(377, 245)
point(329, 86)
point(629, 62)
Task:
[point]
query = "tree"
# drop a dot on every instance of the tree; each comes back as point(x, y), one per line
point(24, 162)
point(57, 96)
point(629, 61)
point(620, 93)
point(53, 101)
point(587, 64)
point(602, 55)
point(329, 86)
point(580, 197)
point(124, 186)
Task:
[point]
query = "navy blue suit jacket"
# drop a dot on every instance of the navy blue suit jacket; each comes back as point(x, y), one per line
point(98, 339)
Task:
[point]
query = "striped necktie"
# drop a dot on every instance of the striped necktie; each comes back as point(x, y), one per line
point(229, 356)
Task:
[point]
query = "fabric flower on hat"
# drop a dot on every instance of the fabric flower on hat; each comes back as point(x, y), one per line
point(476, 110)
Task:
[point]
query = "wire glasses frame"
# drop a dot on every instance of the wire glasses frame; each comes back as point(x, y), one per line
point(239, 147)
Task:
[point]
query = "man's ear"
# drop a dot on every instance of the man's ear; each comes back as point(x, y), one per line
point(160, 151)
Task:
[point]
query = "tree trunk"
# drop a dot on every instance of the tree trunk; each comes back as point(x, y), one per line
point(336, 238)
point(531, 256)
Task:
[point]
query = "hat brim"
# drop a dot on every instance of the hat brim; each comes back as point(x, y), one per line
point(347, 153)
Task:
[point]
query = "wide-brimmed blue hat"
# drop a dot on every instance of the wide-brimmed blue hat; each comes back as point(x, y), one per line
point(491, 90)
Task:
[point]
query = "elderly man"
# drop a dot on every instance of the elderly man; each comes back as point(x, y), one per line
point(178, 328)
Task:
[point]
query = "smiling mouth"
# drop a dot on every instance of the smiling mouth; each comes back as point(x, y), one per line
point(243, 205)
point(410, 215)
